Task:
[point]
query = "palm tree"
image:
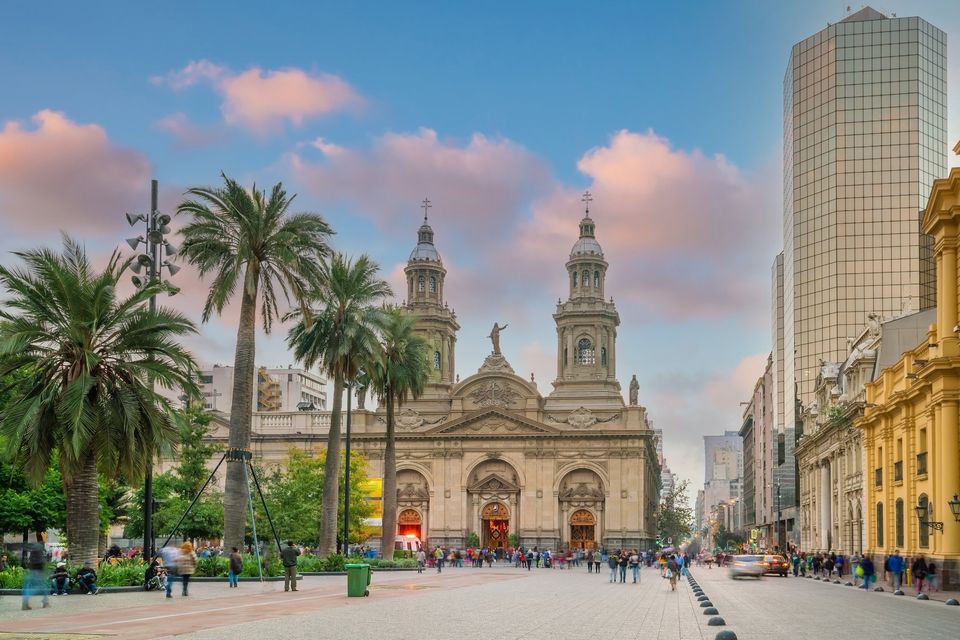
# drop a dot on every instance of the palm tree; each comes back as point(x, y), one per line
point(400, 371)
point(247, 238)
point(342, 339)
point(83, 356)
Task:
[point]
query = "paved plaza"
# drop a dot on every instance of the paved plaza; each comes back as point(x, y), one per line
point(500, 602)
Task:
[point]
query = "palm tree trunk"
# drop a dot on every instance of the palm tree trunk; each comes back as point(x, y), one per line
point(389, 483)
point(331, 475)
point(241, 409)
point(83, 518)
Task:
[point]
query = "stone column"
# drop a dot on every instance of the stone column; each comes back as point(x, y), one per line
point(948, 477)
point(824, 504)
point(947, 296)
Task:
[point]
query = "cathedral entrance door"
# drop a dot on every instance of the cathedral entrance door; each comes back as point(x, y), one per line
point(410, 523)
point(582, 529)
point(495, 520)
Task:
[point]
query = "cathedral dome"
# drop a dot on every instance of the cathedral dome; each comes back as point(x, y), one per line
point(425, 250)
point(586, 244)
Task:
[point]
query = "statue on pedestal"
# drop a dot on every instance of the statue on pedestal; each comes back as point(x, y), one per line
point(495, 337)
point(634, 390)
point(361, 396)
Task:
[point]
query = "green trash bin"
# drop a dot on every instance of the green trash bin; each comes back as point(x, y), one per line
point(358, 578)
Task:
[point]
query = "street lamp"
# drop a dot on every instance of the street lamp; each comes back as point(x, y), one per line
point(922, 510)
point(955, 507)
point(151, 260)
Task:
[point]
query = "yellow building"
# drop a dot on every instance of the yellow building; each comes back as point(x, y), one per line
point(910, 422)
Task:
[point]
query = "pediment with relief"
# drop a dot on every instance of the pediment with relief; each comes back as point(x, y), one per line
point(494, 422)
point(493, 483)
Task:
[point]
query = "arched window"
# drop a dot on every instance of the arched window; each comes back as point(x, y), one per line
point(421, 282)
point(898, 513)
point(596, 279)
point(433, 284)
point(925, 531)
point(585, 279)
point(603, 356)
point(574, 276)
point(880, 524)
point(585, 353)
point(436, 360)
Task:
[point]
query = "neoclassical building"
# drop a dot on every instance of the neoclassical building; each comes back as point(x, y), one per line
point(489, 454)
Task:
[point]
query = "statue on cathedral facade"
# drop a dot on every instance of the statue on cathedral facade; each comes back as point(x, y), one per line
point(634, 390)
point(495, 337)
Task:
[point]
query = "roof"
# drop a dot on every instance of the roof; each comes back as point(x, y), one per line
point(902, 334)
point(425, 250)
point(867, 13)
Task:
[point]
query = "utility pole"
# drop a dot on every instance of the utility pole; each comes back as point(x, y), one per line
point(156, 245)
point(346, 480)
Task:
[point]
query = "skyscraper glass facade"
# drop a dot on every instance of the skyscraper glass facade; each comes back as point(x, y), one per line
point(864, 138)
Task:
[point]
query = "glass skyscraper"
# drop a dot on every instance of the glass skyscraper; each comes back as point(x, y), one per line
point(864, 137)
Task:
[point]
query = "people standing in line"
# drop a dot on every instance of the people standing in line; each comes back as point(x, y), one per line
point(866, 565)
point(235, 568)
point(918, 572)
point(288, 556)
point(896, 567)
point(186, 565)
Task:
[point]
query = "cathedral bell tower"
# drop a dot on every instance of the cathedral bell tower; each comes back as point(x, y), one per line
point(436, 322)
point(586, 329)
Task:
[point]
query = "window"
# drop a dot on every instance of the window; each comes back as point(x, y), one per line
point(585, 279)
point(574, 277)
point(564, 356)
point(204, 379)
point(436, 360)
point(420, 283)
point(898, 521)
point(879, 524)
point(603, 356)
point(585, 353)
point(596, 279)
point(433, 284)
point(925, 531)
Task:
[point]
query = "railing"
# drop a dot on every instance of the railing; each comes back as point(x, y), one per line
point(289, 423)
point(898, 471)
point(878, 477)
point(922, 463)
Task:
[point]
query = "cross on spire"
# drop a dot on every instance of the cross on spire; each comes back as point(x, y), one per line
point(425, 205)
point(587, 199)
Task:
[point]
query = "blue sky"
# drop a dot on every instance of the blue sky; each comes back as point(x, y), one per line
point(501, 112)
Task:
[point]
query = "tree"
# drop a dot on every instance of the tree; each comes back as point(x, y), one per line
point(174, 490)
point(401, 370)
point(295, 496)
point(84, 354)
point(342, 339)
point(247, 238)
point(675, 516)
point(25, 508)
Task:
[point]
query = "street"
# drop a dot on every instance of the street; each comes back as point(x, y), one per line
point(501, 602)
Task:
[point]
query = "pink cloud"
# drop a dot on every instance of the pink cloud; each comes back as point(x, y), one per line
point(61, 174)
point(187, 134)
point(479, 186)
point(265, 100)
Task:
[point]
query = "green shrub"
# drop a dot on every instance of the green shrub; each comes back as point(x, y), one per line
point(334, 562)
point(124, 573)
point(212, 567)
point(309, 563)
point(12, 578)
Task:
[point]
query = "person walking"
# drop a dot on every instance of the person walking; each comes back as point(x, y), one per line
point(672, 570)
point(289, 557)
point(597, 559)
point(612, 562)
point(635, 566)
point(896, 566)
point(589, 559)
point(866, 566)
point(622, 561)
point(931, 576)
point(421, 560)
point(438, 558)
point(235, 568)
point(34, 582)
point(918, 571)
point(186, 565)
point(171, 562)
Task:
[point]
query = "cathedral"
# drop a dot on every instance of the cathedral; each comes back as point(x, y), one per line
point(489, 455)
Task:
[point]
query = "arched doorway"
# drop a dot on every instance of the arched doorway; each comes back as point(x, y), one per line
point(583, 526)
point(410, 523)
point(495, 524)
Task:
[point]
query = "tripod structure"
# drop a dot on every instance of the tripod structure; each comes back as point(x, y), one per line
point(249, 472)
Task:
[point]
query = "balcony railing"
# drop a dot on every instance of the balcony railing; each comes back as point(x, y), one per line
point(898, 471)
point(922, 463)
point(878, 477)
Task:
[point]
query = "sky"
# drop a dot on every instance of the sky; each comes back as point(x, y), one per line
point(502, 113)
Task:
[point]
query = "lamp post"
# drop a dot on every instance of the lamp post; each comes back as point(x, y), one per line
point(156, 246)
point(922, 510)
